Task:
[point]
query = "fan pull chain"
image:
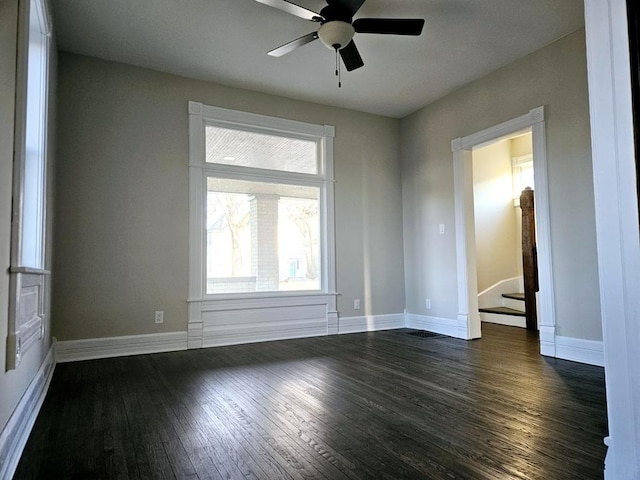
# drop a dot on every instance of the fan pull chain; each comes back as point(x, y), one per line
point(338, 69)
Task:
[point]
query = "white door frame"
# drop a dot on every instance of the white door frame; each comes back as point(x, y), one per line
point(462, 147)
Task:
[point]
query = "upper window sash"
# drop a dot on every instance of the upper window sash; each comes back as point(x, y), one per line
point(203, 115)
point(255, 148)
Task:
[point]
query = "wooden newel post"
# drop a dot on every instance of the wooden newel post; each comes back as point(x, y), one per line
point(529, 257)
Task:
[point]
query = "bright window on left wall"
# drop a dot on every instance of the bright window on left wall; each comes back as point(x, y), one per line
point(31, 176)
point(28, 276)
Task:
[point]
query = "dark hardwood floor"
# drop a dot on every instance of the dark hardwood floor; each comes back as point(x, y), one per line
point(372, 405)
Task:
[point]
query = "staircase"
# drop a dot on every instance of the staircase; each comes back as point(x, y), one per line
point(511, 312)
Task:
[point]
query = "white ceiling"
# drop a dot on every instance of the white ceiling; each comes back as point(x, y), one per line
point(226, 41)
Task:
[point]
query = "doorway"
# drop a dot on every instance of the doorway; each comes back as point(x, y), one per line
point(501, 171)
point(469, 324)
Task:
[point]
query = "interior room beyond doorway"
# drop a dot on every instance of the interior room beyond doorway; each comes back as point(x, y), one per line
point(501, 171)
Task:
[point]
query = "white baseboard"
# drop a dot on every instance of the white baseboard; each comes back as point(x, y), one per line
point(444, 326)
point(15, 434)
point(547, 340)
point(92, 348)
point(509, 320)
point(578, 350)
point(369, 323)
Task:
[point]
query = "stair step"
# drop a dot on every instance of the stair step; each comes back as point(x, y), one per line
point(510, 302)
point(503, 311)
point(514, 296)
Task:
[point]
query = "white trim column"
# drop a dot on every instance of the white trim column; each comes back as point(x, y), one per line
point(618, 240)
point(468, 315)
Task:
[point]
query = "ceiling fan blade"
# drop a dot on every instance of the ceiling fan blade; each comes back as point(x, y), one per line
point(391, 26)
point(291, 46)
point(293, 9)
point(351, 57)
point(352, 5)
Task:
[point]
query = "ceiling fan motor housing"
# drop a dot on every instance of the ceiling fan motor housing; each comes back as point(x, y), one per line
point(336, 34)
point(335, 11)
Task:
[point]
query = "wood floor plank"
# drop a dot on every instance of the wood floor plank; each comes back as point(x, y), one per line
point(292, 414)
point(392, 432)
point(354, 420)
point(382, 405)
point(277, 413)
point(403, 389)
point(307, 432)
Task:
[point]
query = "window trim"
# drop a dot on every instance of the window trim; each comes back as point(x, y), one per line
point(202, 115)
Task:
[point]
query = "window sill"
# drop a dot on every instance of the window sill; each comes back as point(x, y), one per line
point(29, 271)
point(260, 296)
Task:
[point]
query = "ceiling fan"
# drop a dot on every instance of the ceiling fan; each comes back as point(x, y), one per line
point(337, 28)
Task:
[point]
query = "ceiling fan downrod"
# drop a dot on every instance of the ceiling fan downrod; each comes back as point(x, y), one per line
point(338, 68)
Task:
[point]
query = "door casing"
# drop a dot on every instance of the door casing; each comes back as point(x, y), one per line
point(462, 147)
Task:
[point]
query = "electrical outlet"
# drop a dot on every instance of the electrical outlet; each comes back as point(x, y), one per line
point(356, 304)
point(427, 304)
point(159, 316)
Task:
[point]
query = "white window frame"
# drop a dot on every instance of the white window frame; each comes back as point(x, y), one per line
point(28, 277)
point(202, 325)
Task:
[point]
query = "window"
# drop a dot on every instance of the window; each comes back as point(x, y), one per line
point(256, 231)
point(261, 204)
point(522, 169)
point(28, 277)
point(31, 187)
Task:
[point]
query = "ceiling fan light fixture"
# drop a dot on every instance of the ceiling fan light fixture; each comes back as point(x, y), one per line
point(336, 34)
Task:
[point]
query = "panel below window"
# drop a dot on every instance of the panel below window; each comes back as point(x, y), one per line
point(262, 237)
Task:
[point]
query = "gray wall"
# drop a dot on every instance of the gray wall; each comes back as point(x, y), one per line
point(122, 204)
point(14, 383)
point(555, 77)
